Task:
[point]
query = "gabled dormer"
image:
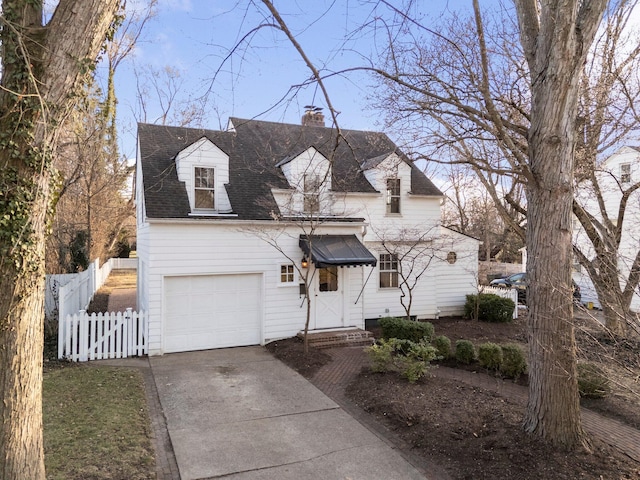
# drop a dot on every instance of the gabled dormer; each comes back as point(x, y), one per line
point(391, 175)
point(204, 169)
point(309, 176)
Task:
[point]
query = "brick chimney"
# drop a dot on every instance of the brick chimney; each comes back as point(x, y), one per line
point(313, 116)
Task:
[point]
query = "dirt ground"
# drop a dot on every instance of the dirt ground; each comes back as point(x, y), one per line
point(472, 433)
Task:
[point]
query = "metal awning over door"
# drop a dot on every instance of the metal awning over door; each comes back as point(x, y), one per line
point(336, 250)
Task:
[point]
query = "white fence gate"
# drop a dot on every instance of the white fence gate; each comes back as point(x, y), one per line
point(511, 293)
point(83, 337)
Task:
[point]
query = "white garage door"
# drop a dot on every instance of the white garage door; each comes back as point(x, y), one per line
point(212, 311)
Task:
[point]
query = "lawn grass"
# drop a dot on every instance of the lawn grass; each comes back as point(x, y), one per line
point(96, 424)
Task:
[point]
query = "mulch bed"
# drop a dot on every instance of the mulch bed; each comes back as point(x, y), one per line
point(474, 433)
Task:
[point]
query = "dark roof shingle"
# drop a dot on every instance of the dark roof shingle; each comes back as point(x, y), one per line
point(254, 149)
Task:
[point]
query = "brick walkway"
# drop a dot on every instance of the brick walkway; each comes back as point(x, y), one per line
point(334, 377)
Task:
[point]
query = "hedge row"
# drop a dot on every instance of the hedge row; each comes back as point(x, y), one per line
point(408, 346)
point(488, 307)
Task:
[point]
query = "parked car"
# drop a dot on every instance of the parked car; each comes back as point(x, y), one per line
point(519, 282)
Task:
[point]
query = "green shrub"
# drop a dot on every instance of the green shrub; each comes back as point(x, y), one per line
point(402, 346)
point(415, 363)
point(514, 363)
point(442, 345)
point(489, 308)
point(471, 307)
point(422, 351)
point(413, 370)
point(393, 327)
point(465, 351)
point(592, 381)
point(380, 355)
point(490, 355)
point(410, 359)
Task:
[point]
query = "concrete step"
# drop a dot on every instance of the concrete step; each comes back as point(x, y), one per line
point(352, 337)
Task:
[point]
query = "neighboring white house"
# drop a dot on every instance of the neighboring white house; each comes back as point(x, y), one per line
point(615, 175)
point(226, 218)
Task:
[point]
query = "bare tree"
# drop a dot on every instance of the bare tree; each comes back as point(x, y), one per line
point(92, 203)
point(555, 57)
point(515, 115)
point(608, 116)
point(42, 67)
point(555, 38)
point(166, 86)
point(472, 211)
point(468, 99)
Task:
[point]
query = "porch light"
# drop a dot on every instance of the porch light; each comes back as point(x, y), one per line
point(305, 262)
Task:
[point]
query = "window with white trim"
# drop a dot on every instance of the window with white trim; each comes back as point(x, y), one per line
point(311, 193)
point(204, 190)
point(393, 195)
point(388, 270)
point(287, 273)
point(625, 173)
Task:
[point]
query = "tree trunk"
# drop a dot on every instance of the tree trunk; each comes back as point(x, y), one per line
point(555, 37)
point(615, 307)
point(21, 344)
point(41, 70)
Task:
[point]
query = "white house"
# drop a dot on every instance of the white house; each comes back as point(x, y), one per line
point(226, 220)
point(617, 175)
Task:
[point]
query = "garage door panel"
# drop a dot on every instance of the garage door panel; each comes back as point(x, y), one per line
point(213, 311)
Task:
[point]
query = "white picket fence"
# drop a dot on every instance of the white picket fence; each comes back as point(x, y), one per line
point(83, 337)
point(69, 293)
point(511, 293)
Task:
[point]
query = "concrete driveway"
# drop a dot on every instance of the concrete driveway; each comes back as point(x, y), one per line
point(242, 414)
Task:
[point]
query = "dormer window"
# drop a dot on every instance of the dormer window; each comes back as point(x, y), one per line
point(204, 192)
point(625, 173)
point(393, 195)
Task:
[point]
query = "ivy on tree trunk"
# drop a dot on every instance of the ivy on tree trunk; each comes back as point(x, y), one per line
point(42, 68)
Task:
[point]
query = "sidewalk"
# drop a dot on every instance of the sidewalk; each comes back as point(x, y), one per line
point(333, 378)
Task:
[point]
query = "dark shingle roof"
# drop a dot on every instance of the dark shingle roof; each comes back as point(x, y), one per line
point(255, 148)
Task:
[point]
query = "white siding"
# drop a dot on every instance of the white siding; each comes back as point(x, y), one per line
point(608, 178)
point(208, 249)
point(456, 281)
point(142, 241)
point(383, 302)
point(441, 291)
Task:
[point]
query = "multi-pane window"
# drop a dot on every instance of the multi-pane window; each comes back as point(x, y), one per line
point(393, 195)
point(311, 193)
point(388, 270)
point(328, 279)
point(625, 173)
point(204, 188)
point(287, 274)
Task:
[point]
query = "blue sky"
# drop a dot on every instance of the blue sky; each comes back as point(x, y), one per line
point(195, 39)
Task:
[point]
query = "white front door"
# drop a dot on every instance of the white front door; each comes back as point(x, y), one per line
point(329, 301)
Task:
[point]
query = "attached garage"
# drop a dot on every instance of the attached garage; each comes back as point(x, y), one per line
point(212, 311)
